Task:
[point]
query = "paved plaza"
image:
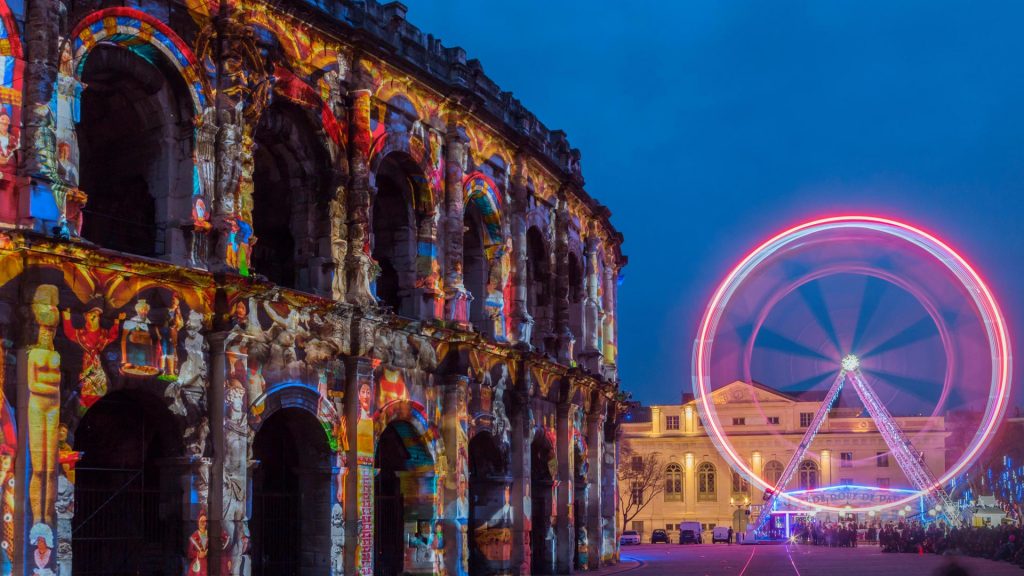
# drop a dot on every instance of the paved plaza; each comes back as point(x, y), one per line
point(795, 560)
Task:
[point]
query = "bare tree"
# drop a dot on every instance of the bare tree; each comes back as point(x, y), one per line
point(643, 478)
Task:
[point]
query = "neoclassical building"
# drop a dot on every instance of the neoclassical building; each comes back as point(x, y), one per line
point(292, 288)
point(765, 426)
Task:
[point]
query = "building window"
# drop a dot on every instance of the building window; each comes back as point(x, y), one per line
point(772, 472)
point(706, 489)
point(638, 525)
point(739, 421)
point(846, 481)
point(882, 459)
point(773, 420)
point(805, 419)
point(638, 463)
point(846, 459)
point(673, 482)
point(808, 475)
point(739, 484)
point(671, 422)
point(637, 494)
point(670, 527)
point(882, 482)
point(708, 527)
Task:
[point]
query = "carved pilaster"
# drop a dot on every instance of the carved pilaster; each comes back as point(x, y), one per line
point(522, 321)
point(563, 334)
point(456, 296)
point(566, 544)
point(455, 433)
point(360, 268)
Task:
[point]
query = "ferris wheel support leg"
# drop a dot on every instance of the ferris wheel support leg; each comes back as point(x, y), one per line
point(908, 458)
point(801, 450)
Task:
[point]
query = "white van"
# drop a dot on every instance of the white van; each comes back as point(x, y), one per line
point(690, 533)
point(720, 534)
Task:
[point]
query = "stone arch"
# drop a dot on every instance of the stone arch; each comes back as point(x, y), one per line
point(406, 511)
point(129, 442)
point(402, 198)
point(288, 208)
point(146, 70)
point(140, 33)
point(486, 256)
point(295, 395)
point(293, 488)
point(490, 506)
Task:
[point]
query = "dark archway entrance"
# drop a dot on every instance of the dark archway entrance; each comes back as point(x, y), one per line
point(289, 204)
point(394, 234)
point(291, 496)
point(542, 479)
point(404, 502)
point(490, 508)
point(135, 141)
point(538, 289)
point(474, 266)
point(128, 499)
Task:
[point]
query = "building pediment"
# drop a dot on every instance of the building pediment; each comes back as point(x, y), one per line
point(739, 392)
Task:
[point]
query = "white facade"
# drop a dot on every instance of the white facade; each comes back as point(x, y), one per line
point(764, 426)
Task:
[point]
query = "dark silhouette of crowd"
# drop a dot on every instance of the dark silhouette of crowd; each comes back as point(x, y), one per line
point(1003, 543)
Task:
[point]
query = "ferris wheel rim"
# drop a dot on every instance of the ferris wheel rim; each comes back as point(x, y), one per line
point(987, 307)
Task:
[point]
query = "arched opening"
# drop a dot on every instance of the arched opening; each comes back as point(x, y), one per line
point(490, 507)
point(291, 494)
point(538, 287)
point(543, 468)
point(403, 502)
point(773, 472)
point(128, 500)
point(134, 149)
point(474, 266)
point(707, 489)
point(394, 235)
point(808, 475)
point(289, 199)
point(674, 483)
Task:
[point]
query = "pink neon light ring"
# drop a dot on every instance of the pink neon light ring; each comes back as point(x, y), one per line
point(997, 340)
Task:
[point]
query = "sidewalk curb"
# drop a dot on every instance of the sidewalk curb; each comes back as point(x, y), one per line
point(625, 565)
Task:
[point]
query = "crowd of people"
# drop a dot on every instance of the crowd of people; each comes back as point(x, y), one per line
point(1002, 543)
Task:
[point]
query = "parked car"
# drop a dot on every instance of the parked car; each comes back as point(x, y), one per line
point(629, 537)
point(689, 533)
point(659, 536)
point(720, 534)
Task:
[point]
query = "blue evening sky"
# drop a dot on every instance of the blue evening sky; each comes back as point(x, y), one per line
point(707, 125)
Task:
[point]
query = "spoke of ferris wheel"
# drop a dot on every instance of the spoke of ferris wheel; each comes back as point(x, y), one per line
point(801, 449)
point(907, 457)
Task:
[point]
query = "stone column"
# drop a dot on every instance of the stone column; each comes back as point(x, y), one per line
point(41, 207)
point(563, 334)
point(689, 419)
point(565, 492)
point(522, 321)
point(656, 420)
point(230, 507)
point(690, 484)
point(429, 283)
point(455, 433)
point(595, 444)
point(523, 429)
point(591, 352)
point(610, 327)
point(456, 302)
point(610, 489)
point(826, 468)
point(359, 484)
point(359, 265)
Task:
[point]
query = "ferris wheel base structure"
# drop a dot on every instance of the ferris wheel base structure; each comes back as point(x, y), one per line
point(938, 280)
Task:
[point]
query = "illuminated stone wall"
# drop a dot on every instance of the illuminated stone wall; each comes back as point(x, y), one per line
point(231, 227)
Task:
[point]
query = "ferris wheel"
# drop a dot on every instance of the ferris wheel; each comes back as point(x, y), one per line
point(870, 305)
